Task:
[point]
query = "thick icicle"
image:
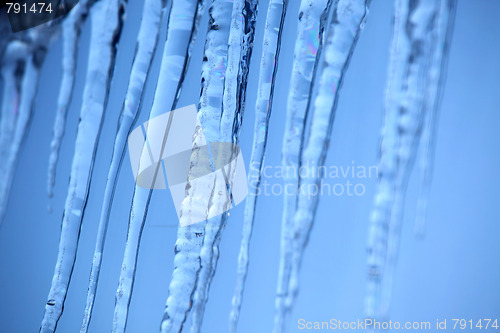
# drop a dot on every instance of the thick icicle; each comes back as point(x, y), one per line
point(185, 290)
point(106, 28)
point(21, 65)
point(146, 45)
point(312, 18)
point(348, 20)
point(71, 27)
point(240, 40)
point(269, 64)
point(437, 77)
point(183, 24)
point(419, 40)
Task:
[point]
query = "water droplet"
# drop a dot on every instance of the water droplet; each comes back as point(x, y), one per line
point(51, 302)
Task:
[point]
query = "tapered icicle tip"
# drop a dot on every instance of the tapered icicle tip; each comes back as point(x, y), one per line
point(222, 83)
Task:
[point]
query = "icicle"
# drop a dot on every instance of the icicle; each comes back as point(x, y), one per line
point(183, 23)
point(183, 289)
point(348, 20)
point(184, 278)
point(71, 27)
point(312, 17)
point(13, 73)
point(209, 254)
point(420, 30)
point(106, 28)
point(21, 65)
point(240, 41)
point(437, 76)
point(145, 49)
point(269, 64)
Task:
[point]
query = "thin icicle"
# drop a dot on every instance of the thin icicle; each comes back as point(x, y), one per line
point(146, 45)
point(183, 24)
point(240, 41)
point(21, 65)
point(420, 30)
point(71, 27)
point(269, 64)
point(348, 20)
point(13, 68)
point(437, 76)
point(312, 18)
point(106, 28)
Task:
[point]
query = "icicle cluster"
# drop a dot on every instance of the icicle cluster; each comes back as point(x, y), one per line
point(419, 51)
point(183, 21)
point(422, 30)
point(106, 28)
point(188, 285)
point(312, 18)
point(146, 45)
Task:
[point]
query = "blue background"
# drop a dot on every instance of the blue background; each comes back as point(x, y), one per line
point(453, 273)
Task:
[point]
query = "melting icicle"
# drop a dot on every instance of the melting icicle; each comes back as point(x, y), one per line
point(146, 45)
point(312, 17)
point(21, 65)
point(71, 27)
point(437, 76)
point(106, 28)
point(13, 68)
point(183, 23)
point(241, 36)
point(421, 33)
point(240, 41)
point(269, 64)
point(185, 288)
point(349, 16)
